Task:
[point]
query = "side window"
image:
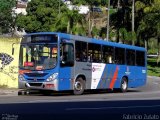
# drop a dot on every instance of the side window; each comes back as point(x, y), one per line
point(108, 54)
point(140, 58)
point(67, 54)
point(94, 53)
point(119, 55)
point(130, 57)
point(81, 51)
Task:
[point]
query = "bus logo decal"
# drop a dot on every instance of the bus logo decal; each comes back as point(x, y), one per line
point(93, 69)
point(35, 79)
point(97, 71)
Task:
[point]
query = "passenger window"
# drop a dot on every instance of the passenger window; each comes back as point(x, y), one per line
point(119, 55)
point(108, 54)
point(130, 57)
point(81, 51)
point(94, 53)
point(140, 58)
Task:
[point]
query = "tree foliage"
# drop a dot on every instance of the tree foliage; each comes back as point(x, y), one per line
point(90, 28)
point(148, 27)
point(90, 2)
point(121, 20)
point(41, 16)
point(47, 15)
point(148, 17)
point(6, 16)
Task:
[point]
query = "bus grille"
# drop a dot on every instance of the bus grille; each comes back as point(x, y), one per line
point(36, 80)
point(36, 74)
point(35, 84)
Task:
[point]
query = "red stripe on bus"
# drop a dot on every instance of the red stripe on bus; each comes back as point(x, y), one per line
point(114, 78)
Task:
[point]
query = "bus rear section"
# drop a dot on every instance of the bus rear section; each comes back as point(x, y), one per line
point(106, 65)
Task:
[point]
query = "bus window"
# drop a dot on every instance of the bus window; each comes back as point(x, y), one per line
point(94, 53)
point(119, 55)
point(130, 57)
point(108, 54)
point(140, 58)
point(81, 51)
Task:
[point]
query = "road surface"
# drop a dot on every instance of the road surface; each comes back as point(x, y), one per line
point(139, 103)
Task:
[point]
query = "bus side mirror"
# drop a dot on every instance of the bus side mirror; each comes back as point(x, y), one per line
point(13, 48)
point(12, 51)
point(67, 63)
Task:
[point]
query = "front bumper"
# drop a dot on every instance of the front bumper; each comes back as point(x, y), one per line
point(39, 85)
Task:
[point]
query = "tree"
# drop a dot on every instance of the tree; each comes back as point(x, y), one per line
point(42, 16)
point(91, 4)
point(140, 26)
point(122, 18)
point(75, 21)
point(123, 35)
point(155, 23)
point(7, 16)
point(45, 16)
point(149, 25)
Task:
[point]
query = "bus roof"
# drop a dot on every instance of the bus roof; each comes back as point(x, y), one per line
point(92, 40)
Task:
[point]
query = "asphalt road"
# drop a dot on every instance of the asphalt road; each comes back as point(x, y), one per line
point(139, 103)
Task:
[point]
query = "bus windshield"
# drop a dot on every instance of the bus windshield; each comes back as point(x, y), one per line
point(38, 56)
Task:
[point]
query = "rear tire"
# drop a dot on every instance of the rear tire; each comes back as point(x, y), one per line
point(124, 85)
point(79, 86)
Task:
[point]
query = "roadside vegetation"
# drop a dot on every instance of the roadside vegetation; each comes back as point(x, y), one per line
point(153, 67)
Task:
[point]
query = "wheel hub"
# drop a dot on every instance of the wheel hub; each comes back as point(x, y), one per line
point(124, 85)
point(78, 86)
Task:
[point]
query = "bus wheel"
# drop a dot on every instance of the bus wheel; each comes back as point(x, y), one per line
point(124, 85)
point(79, 86)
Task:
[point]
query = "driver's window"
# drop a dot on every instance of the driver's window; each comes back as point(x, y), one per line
point(67, 54)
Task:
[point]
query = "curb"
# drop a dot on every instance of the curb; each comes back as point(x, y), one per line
point(155, 77)
point(8, 92)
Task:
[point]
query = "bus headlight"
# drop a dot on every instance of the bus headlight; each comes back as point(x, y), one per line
point(52, 77)
point(21, 78)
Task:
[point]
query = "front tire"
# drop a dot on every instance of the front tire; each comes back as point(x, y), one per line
point(79, 86)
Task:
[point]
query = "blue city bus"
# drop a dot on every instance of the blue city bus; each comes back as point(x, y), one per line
point(57, 61)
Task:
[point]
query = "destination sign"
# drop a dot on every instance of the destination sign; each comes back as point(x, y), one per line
point(45, 38)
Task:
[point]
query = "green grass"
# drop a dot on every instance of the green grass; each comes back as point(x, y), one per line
point(153, 68)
